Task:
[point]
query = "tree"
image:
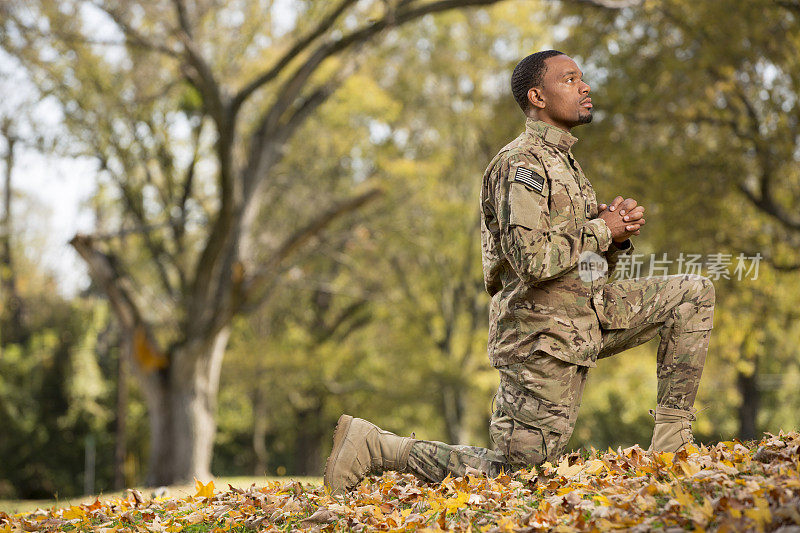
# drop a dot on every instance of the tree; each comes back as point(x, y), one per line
point(177, 73)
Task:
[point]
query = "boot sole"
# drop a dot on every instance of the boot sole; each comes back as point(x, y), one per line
point(342, 427)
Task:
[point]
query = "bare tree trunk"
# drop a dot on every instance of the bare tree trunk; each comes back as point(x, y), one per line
point(156, 393)
point(751, 400)
point(12, 308)
point(195, 385)
point(121, 432)
point(260, 428)
point(453, 406)
point(182, 402)
point(308, 442)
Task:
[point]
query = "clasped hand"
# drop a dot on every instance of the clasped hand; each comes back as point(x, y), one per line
point(623, 217)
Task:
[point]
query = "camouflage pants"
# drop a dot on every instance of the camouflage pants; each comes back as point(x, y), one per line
point(538, 399)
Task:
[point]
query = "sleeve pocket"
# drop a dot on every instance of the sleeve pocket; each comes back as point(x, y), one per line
point(524, 206)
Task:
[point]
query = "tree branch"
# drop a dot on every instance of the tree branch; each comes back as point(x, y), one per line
point(268, 135)
point(785, 267)
point(324, 25)
point(291, 88)
point(103, 269)
point(183, 20)
point(132, 34)
point(155, 247)
point(768, 206)
point(254, 287)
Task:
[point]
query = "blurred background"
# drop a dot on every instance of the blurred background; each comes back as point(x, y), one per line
point(226, 222)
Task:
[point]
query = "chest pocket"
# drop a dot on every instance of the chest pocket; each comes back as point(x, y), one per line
point(591, 200)
point(527, 197)
point(566, 200)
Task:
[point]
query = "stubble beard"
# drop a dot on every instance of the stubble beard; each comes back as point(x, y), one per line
point(585, 118)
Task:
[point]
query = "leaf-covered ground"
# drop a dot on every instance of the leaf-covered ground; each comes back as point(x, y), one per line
point(729, 486)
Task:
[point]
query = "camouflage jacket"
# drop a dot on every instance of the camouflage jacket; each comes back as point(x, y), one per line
point(538, 216)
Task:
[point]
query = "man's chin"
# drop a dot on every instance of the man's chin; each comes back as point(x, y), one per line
point(585, 118)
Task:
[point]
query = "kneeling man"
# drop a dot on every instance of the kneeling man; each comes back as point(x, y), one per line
point(548, 252)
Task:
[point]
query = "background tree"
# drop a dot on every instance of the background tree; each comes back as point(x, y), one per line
point(185, 69)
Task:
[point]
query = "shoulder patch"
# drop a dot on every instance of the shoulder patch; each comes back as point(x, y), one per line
point(528, 178)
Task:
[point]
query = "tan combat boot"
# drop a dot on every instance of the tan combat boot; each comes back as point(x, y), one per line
point(361, 448)
point(673, 429)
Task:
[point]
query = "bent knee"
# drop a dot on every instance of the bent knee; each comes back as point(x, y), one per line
point(696, 310)
point(701, 289)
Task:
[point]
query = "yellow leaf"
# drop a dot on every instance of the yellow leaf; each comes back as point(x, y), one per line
point(146, 353)
point(684, 498)
point(595, 466)
point(760, 513)
point(204, 491)
point(688, 468)
point(73, 512)
point(602, 499)
point(453, 504)
point(506, 524)
point(708, 509)
point(568, 471)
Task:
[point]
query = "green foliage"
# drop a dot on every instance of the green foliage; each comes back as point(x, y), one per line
point(52, 396)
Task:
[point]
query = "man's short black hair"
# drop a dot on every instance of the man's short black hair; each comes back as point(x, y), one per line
point(529, 73)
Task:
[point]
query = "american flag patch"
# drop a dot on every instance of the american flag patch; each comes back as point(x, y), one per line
point(529, 178)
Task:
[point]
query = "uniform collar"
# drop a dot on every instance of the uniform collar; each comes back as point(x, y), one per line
point(550, 134)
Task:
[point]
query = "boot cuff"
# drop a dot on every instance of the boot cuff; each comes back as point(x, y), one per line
point(403, 452)
point(667, 414)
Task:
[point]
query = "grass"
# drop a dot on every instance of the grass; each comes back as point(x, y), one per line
point(23, 506)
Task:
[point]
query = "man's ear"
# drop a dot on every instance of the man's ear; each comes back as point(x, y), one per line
point(535, 97)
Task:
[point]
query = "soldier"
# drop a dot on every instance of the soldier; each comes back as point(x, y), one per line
point(548, 252)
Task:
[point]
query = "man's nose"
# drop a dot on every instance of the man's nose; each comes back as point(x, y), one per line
point(585, 88)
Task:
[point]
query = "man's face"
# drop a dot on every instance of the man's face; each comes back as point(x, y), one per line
point(563, 98)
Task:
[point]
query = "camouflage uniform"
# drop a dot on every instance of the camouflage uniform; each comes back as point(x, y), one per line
point(548, 324)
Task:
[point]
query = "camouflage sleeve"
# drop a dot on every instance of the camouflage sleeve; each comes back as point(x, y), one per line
point(538, 233)
point(613, 254)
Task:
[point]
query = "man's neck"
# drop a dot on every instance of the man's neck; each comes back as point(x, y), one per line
point(550, 121)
